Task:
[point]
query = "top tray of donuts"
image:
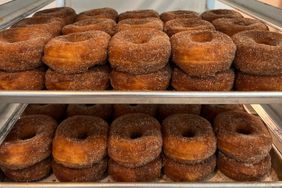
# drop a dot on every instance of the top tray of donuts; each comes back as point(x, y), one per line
point(141, 50)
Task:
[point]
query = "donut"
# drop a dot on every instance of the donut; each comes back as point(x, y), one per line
point(211, 15)
point(28, 143)
point(96, 78)
point(123, 109)
point(242, 136)
point(23, 80)
point(248, 82)
point(158, 80)
point(135, 23)
point(171, 15)
point(188, 137)
point(146, 173)
point(138, 51)
point(67, 14)
point(93, 173)
point(100, 24)
point(221, 81)
point(138, 14)
point(178, 171)
point(56, 111)
point(21, 48)
point(76, 52)
point(202, 53)
point(186, 24)
point(108, 13)
point(134, 140)
point(166, 110)
point(80, 146)
point(35, 172)
point(103, 111)
point(231, 26)
point(258, 52)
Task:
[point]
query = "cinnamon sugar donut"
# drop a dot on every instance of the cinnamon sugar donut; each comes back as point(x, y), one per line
point(21, 48)
point(56, 111)
point(211, 15)
point(178, 171)
point(242, 136)
point(146, 173)
point(98, 13)
point(24, 80)
point(186, 24)
point(28, 143)
point(138, 14)
point(96, 78)
point(202, 53)
point(259, 52)
point(135, 140)
point(123, 109)
point(231, 26)
point(134, 23)
point(35, 172)
point(90, 174)
point(138, 51)
point(80, 146)
point(101, 110)
point(100, 24)
point(241, 171)
point(166, 110)
point(221, 81)
point(76, 52)
point(171, 15)
point(158, 80)
point(188, 137)
point(248, 82)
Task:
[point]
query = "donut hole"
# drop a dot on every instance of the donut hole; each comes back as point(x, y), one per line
point(135, 135)
point(202, 37)
point(189, 134)
point(27, 134)
point(267, 41)
point(82, 136)
point(244, 130)
point(242, 23)
point(137, 39)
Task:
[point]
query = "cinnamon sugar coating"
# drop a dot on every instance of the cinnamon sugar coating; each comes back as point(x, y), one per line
point(221, 81)
point(134, 140)
point(28, 143)
point(211, 15)
point(171, 15)
point(108, 13)
point(76, 52)
point(138, 14)
point(259, 52)
point(123, 109)
point(242, 136)
point(57, 111)
point(202, 53)
point(135, 23)
point(138, 51)
point(166, 110)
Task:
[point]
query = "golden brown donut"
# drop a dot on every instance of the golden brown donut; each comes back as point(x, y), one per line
point(35, 172)
point(67, 14)
point(100, 24)
point(248, 82)
point(101, 110)
point(28, 143)
point(221, 81)
point(171, 15)
point(166, 110)
point(24, 80)
point(178, 171)
point(96, 78)
point(149, 172)
point(90, 174)
point(158, 80)
point(188, 137)
point(123, 109)
point(186, 24)
point(135, 140)
point(211, 15)
point(258, 52)
point(135, 23)
point(241, 171)
point(76, 52)
point(202, 53)
point(21, 48)
point(138, 14)
point(242, 136)
point(138, 51)
point(98, 13)
point(80, 141)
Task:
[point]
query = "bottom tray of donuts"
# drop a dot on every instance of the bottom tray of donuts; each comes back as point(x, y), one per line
point(124, 126)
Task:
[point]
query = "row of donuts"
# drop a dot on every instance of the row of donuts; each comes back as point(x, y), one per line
point(141, 56)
